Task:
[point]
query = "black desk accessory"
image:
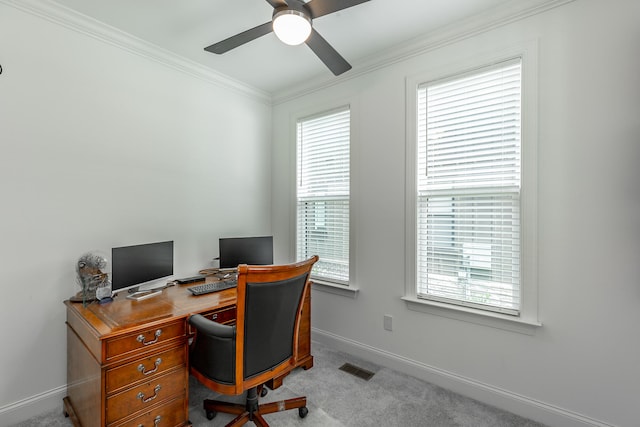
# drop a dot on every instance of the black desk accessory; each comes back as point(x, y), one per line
point(192, 279)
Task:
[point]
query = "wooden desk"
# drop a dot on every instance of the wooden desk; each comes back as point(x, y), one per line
point(127, 361)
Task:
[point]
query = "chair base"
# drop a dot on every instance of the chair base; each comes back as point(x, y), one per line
point(252, 410)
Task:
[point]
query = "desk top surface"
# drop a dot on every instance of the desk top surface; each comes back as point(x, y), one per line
point(173, 303)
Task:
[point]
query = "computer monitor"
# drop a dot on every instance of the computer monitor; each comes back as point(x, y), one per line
point(245, 250)
point(133, 266)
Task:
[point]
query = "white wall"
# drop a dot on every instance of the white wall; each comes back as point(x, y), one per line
point(100, 147)
point(581, 367)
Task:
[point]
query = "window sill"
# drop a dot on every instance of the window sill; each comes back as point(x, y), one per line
point(471, 315)
point(332, 288)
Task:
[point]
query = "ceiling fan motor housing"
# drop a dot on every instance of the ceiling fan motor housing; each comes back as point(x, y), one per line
point(293, 6)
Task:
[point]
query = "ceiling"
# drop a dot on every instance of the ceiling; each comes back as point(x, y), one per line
point(186, 27)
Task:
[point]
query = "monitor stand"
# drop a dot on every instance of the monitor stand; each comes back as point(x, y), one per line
point(140, 295)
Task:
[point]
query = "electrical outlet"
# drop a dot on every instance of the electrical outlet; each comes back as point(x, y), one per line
point(388, 322)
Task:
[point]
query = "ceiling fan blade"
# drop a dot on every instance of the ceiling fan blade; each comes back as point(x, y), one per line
point(277, 3)
point(327, 54)
point(324, 7)
point(240, 39)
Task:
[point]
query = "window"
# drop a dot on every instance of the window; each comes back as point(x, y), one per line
point(322, 205)
point(468, 199)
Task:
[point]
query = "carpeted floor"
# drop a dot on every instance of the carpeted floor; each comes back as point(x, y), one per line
point(335, 398)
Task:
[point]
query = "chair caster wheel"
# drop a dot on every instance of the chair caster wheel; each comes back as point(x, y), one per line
point(211, 415)
point(264, 392)
point(303, 411)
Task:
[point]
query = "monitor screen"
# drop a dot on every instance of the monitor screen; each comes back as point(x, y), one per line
point(132, 266)
point(245, 250)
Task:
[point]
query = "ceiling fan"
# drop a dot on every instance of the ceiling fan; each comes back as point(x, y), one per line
point(292, 23)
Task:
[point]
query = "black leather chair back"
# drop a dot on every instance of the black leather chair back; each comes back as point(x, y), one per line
point(270, 315)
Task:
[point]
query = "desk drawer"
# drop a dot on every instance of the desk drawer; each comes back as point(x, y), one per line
point(146, 395)
point(171, 414)
point(225, 316)
point(144, 368)
point(144, 339)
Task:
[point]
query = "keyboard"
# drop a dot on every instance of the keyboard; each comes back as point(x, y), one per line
point(207, 288)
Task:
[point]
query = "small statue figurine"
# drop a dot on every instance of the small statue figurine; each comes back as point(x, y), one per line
point(91, 276)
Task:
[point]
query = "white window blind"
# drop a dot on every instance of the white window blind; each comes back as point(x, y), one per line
point(469, 180)
point(323, 193)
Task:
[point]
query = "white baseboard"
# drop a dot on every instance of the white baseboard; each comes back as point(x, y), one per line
point(504, 399)
point(30, 407)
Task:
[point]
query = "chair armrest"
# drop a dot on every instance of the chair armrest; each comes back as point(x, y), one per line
point(211, 328)
point(213, 351)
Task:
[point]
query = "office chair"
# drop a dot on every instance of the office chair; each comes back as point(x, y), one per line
point(261, 345)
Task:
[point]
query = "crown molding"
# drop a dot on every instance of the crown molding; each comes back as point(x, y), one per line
point(513, 11)
point(68, 18)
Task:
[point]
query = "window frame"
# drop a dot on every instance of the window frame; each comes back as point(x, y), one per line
point(527, 320)
point(340, 288)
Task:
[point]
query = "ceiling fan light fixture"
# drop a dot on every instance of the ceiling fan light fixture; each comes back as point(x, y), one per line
point(291, 26)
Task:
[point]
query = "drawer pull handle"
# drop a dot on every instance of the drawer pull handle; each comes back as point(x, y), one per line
point(141, 338)
point(149, 399)
point(142, 369)
point(156, 421)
